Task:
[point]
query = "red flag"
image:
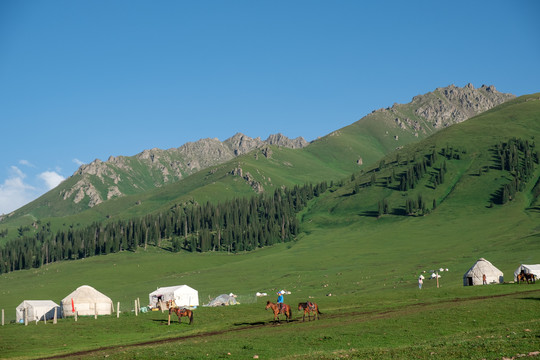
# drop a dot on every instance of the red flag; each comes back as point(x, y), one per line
point(72, 305)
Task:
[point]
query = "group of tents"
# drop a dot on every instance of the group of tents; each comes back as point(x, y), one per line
point(475, 275)
point(87, 301)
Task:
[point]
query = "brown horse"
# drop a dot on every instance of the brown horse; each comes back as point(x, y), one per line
point(529, 278)
point(179, 311)
point(309, 307)
point(285, 310)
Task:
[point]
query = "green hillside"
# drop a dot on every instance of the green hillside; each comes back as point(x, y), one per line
point(358, 261)
point(151, 181)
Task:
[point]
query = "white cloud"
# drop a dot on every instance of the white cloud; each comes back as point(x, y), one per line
point(78, 162)
point(14, 192)
point(27, 163)
point(51, 178)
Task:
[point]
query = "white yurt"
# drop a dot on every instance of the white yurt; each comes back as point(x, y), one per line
point(528, 269)
point(182, 295)
point(87, 301)
point(482, 267)
point(38, 310)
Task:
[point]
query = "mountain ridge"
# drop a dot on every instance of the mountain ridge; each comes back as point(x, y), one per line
point(374, 135)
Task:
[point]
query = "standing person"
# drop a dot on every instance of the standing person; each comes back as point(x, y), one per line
point(420, 281)
point(280, 299)
point(484, 281)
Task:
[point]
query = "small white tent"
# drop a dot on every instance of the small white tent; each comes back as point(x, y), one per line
point(87, 301)
point(528, 269)
point(38, 310)
point(182, 295)
point(482, 267)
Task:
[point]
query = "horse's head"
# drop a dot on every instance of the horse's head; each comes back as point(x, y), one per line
point(300, 306)
point(268, 305)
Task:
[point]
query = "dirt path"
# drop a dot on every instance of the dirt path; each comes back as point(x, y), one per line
point(367, 315)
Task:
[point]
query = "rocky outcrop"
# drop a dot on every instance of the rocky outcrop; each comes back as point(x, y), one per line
point(248, 178)
point(444, 107)
point(433, 111)
point(166, 166)
point(458, 104)
point(281, 140)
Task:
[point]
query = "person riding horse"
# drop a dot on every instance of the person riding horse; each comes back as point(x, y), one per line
point(280, 299)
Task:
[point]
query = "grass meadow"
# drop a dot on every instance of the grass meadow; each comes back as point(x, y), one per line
point(369, 267)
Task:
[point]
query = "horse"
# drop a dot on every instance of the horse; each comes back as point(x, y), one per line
point(285, 310)
point(308, 308)
point(180, 311)
point(529, 278)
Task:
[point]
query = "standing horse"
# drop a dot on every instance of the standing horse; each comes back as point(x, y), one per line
point(529, 278)
point(285, 310)
point(181, 312)
point(308, 308)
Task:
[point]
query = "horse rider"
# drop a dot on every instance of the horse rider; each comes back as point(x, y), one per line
point(280, 299)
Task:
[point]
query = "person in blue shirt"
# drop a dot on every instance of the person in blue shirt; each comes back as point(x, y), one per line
point(280, 298)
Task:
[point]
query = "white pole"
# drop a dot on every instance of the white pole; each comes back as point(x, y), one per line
point(2, 317)
point(25, 316)
point(118, 310)
point(55, 315)
point(75, 314)
point(95, 311)
point(136, 312)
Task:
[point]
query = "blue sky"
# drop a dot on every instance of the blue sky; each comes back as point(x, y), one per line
point(81, 80)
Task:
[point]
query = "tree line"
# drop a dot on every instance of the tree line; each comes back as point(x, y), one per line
point(518, 157)
point(240, 224)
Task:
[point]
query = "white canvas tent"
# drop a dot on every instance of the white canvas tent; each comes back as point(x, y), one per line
point(222, 300)
point(87, 301)
point(482, 267)
point(528, 269)
point(182, 295)
point(37, 310)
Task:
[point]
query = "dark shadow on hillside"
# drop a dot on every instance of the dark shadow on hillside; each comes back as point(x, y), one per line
point(370, 213)
point(495, 158)
point(399, 211)
point(531, 298)
point(496, 197)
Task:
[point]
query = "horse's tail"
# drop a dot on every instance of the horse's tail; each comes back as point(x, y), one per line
point(318, 312)
point(190, 317)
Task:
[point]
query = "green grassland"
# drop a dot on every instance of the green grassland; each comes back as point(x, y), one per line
point(361, 268)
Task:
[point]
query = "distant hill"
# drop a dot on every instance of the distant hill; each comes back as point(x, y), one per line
point(337, 154)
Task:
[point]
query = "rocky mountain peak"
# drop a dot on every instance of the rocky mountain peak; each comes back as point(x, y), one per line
point(165, 166)
point(281, 140)
point(443, 107)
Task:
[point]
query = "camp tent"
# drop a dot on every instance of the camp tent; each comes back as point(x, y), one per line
point(38, 310)
point(482, 267)
point(222, 300)
point(182, 295)
point(528, 269)
point(87, 301)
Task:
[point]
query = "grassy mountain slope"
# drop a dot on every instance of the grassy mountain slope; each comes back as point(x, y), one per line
point(156, 179)
point(369, 265)
point(360, 143)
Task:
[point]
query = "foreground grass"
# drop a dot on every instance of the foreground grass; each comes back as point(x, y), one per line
point(485, 326)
